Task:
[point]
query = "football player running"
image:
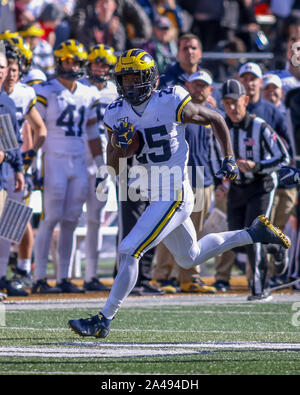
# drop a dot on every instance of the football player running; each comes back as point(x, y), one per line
point(25, 99)
point(67, 106)
point(159, 117)
point(101, 62)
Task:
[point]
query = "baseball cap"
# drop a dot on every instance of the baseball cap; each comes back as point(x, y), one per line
point(232, 89)
point(162, 22)
point(271, 79)
point(252, 68)
point(201, 75)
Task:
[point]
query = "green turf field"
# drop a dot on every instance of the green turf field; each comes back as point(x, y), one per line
point(161, 335)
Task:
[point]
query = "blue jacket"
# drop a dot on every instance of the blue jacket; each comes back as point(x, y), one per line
point(14, 157)
point(267, 111)
point(200, 141)
point(175, 75)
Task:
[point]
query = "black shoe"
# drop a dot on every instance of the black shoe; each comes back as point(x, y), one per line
point(222, 286)
point(262, 297)
point(42, 287)
point(146, 289)
point(97, 326)
point(95, 285)
point(22, 277)
point(263, 231)
point(281, 261)
point(12, 288)
point(68, 287)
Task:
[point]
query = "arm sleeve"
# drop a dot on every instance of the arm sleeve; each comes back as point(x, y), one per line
point(275, 147)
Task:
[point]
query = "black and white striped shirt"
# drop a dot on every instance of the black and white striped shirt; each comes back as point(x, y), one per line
point(253, 139)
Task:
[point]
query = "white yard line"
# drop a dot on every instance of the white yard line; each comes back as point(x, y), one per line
point(127, 350)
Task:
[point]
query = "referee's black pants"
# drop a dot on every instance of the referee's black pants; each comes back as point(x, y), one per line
point(245, 203)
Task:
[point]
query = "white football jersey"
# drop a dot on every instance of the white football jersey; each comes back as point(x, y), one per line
point(66, 115)
point(163, 148)
point(102, 98)
point(24, 98)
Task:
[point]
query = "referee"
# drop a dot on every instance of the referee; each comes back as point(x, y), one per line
point(258, 153)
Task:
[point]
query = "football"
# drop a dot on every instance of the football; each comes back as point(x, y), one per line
point(132, 148)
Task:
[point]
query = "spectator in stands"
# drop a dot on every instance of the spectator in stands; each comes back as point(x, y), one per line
point(104, 27)
point(7, 15)
point(132, 17)
point(161, 46)
point(250, 75)
point(49, 19)
point(272, 91)
point(22, 15)
point(43, 58)
point(188, 61)
point(167, 8)
point(223, 69)
point(207, 16)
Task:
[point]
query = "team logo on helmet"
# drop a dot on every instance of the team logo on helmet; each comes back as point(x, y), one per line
point(101, 53)
point(15, 48)
point(139, 62)
point(70, 50)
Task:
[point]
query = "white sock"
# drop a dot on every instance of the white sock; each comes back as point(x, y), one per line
point(41, 249)
point(24, 264)
point(90, 269)
point(65, 245)
point(91, 250)
point(215, 244)
point(122, 286)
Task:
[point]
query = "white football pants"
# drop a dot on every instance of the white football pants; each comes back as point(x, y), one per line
point(65, 191)
point(170, 223)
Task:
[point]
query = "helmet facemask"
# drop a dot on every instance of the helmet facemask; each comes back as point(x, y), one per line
point(70, 50)
point(138, 92)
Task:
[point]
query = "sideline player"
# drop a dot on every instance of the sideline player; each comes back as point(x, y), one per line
point(159, 116)
point(67, 106)
point(101, 62)
point(24, 98)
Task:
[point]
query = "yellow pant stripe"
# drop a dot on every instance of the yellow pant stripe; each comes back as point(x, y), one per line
point(161, 225)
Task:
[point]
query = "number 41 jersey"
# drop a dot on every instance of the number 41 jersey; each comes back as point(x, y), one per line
point(163, 150)
point(65, 114)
